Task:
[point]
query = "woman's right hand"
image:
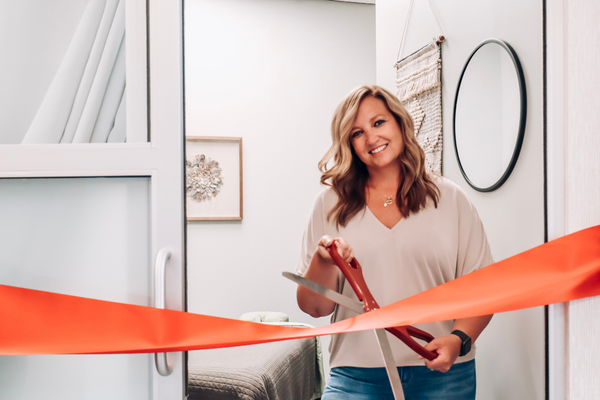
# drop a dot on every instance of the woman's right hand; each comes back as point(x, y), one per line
point(343, 248)
point(322, 270)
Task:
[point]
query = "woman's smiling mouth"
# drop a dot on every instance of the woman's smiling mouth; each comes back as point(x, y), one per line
point(377, 150)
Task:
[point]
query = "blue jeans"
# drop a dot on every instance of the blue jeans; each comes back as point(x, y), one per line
point(419, 383)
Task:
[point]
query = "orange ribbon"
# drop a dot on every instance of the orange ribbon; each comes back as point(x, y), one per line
point(37, 322)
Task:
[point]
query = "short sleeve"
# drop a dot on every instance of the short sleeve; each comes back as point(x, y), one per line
point(473, 247)
point(314, 231)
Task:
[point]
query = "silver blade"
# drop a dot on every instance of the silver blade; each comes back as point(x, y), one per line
point(334, 296)
point(390, 365)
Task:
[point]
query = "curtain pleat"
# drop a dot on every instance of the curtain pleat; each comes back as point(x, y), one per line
point(111, 100)
point(117, 134)
point(99, 86)
point(49, 122)
point(90, 71)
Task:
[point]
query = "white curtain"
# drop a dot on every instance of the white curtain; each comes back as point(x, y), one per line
point(84, 100)
point(90, 71)
point(111, 101)
point(117, 133)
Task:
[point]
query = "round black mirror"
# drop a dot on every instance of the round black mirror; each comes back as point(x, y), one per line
point(490, 109)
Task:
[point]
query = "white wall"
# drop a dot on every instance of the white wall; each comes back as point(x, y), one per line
point(272, 72)
point(511, 351)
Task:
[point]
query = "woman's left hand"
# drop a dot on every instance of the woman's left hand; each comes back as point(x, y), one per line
point(448, 349)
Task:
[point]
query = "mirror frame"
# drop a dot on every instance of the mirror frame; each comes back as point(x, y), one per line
point(522, 117)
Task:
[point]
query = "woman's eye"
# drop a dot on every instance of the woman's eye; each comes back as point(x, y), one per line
point(379, 122)
point(356, 134)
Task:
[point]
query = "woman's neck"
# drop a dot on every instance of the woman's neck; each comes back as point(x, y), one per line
point(389, 179)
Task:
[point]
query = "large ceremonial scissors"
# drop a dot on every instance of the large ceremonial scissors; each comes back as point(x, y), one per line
point(367, 303)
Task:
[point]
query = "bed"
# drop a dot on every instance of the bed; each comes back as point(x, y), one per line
point(286, 370)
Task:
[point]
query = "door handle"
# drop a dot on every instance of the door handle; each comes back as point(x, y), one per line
point(160, 267)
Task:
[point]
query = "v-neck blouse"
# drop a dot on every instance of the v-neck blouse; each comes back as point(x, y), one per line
point(423, 250)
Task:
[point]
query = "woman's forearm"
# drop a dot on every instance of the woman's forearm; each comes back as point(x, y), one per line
point(324, 272)
point(473, 326)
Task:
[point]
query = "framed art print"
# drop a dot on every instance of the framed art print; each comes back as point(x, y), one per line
point(214, 178)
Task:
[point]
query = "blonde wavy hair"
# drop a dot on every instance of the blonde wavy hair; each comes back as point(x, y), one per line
point(348, 175)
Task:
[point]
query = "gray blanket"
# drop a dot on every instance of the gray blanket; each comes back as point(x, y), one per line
point(271, 371)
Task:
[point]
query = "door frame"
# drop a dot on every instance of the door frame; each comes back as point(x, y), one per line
point(555, 120)
point(166, 123)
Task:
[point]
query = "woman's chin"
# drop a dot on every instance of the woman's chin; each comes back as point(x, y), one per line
point(384, 163)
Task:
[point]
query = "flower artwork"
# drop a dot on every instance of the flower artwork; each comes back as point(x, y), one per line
point(204, 179)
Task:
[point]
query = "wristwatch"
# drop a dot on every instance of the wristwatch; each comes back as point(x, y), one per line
point(465, 348)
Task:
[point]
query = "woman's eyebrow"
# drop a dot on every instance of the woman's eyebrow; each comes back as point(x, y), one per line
point(378, 116)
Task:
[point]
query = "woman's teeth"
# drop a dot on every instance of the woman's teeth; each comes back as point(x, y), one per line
point(377, 150)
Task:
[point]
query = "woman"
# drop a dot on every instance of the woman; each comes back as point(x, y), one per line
point(410, 231)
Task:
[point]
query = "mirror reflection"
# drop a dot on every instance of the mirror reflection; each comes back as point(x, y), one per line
point(489, 115)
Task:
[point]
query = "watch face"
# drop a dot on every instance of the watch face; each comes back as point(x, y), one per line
point(466, 347)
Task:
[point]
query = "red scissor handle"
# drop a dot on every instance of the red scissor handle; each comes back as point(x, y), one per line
point(354, 275)
point(406, 334)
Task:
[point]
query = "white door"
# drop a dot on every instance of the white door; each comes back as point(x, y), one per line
point(90, 219)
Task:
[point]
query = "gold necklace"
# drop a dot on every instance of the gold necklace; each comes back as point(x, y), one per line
point(388, 199)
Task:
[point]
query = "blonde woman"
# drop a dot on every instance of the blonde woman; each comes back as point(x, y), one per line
point(410, 230)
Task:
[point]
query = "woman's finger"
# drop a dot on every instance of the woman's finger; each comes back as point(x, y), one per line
point(350, 255)
point(325, 241)
point(344, 249)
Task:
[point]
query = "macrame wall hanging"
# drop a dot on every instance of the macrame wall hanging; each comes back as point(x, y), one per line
point(419, 88)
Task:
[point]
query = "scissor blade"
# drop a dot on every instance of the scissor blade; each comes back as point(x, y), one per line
point(390, 365)
point(334, 296)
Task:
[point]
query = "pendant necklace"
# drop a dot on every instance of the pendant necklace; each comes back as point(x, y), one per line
point(388, 199)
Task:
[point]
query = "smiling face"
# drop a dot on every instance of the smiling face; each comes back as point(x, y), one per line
point(376, 136)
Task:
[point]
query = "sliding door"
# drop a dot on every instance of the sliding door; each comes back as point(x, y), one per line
point(91, 179)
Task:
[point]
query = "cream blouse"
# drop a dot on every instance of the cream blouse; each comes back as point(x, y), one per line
point(431, 247)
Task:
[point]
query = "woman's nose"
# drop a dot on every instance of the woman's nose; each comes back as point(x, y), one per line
point(370, 136)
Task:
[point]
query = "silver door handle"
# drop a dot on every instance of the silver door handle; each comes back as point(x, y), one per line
point(160, 267)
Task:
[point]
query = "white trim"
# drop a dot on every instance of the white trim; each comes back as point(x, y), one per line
point(136, 71)
point(166, 126)
point(77, 159)
point(93, 173)
point(556, 129)
point(8, 148)
point(356, 1)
